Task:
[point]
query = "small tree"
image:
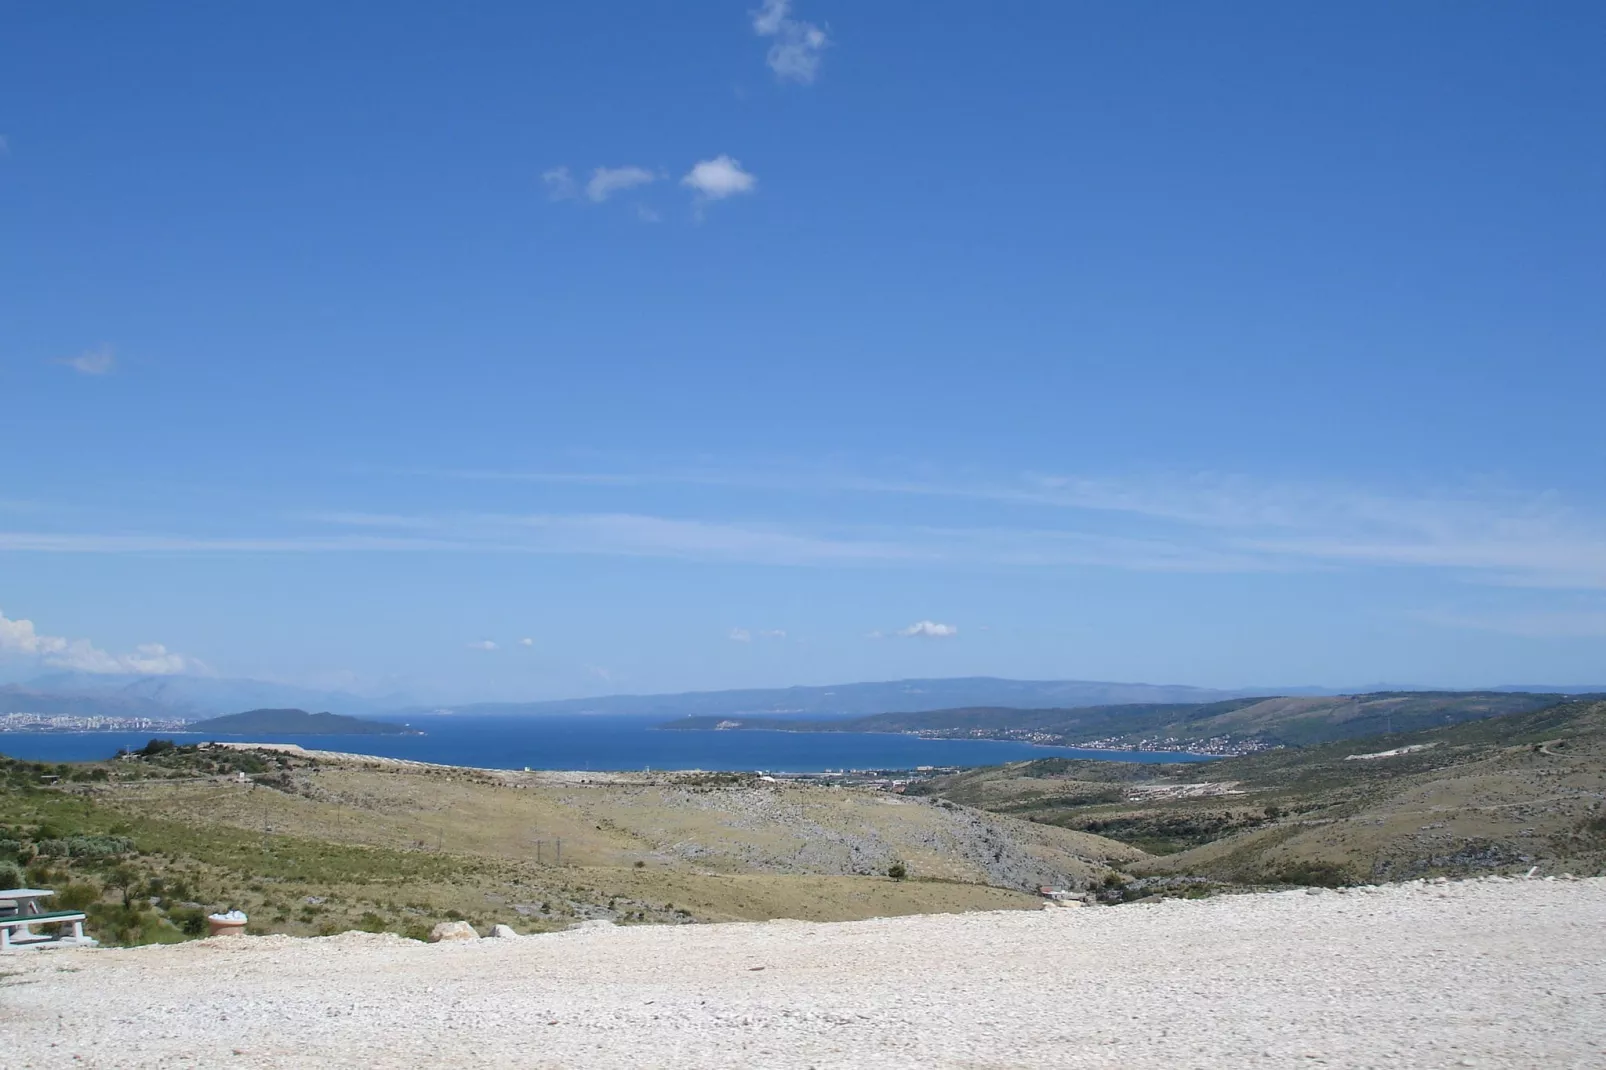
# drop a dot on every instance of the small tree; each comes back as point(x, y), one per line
point(897, 871)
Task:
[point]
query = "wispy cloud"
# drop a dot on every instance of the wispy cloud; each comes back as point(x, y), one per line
point(928, 629)
point(1198, 524)
point(21, 638)
point(560, 184)
point(1532, 624)
point(91, 362)
point(482, 644)
point(1218, 522)
point(526, 641)
point(606, 181)
point(795, 56)
point(747, 635)
point(719, 178)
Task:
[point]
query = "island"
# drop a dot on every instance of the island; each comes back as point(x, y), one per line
point(298, 722)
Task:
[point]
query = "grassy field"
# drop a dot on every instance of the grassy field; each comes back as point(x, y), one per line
point(308, 845)
point(1495, 796)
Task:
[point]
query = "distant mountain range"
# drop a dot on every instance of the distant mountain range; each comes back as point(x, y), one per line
point(196, 697)
point(849, 700)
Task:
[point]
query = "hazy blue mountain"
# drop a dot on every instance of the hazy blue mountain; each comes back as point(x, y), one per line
point(847, 700)
point(172, 696)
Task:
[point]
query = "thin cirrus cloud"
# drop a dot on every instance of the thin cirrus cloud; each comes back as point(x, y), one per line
point(99, 361)
point(747, 635)
point(19, 637)
point(1208, 522)
point(483, 644)
point(798, 45)
point(560, 184)
point(1184, 524)
point(1528, 624)
point(606, 181)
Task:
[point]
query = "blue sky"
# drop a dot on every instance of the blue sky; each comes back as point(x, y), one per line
point(710, 345)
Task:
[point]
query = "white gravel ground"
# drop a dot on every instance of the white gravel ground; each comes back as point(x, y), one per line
point(1486, 973)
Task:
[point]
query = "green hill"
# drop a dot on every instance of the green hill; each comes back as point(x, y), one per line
point(1497, 795)
point(1233, 726)
point(298, 722)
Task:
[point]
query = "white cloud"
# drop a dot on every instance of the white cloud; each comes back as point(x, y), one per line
point(647, 215)
point(747, 635)
point(482, 644)
point(560, 184)
point(91, 361)
point(928, 629)
point(606, 181)
point(795, 55)
point(19, 637)
point(719, 178)
point(526, 642)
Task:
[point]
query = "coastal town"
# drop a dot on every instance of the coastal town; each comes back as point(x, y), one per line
point(92, 722)
point(1215, 746)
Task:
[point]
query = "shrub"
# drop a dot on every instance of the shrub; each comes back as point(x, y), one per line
point(189, 920)
point(897, 871)
point(11, 875)
point(76, 896)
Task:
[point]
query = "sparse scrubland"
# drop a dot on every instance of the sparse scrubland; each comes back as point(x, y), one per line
point(1501, 796)
point(308, 844)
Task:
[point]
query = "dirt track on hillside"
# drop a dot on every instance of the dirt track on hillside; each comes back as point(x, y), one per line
point(1488, 973)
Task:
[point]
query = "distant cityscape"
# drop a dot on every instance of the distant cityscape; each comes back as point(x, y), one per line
point(86, 722)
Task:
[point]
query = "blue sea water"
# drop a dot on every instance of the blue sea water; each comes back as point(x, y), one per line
point(603, 743)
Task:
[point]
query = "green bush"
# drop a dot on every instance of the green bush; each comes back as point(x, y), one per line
point(76, 896)
point(897, 871)
point(11, 875)
point(86, 847)
point(189, 920)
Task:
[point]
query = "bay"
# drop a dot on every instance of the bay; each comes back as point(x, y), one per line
point(604, 743)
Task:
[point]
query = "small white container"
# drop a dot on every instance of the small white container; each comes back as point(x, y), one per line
point(230, 924)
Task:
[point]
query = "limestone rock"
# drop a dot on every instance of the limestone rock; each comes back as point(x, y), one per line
point(503, 931)
point(452, 930)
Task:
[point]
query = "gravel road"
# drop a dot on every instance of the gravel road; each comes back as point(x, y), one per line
point(1490, 973)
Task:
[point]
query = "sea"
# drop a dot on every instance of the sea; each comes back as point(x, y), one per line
point(604, 743)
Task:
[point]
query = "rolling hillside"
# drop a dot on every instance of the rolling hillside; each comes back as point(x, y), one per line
point(1238, 724)
point(1495, 795)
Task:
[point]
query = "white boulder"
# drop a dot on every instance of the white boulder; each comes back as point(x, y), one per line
point(452, 930)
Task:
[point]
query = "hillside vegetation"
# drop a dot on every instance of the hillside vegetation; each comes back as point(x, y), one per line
point(1239, 723)
point(309, 843)
point(1499, 795)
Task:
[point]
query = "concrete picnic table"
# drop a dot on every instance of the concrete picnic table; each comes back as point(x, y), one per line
point(20, 911)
